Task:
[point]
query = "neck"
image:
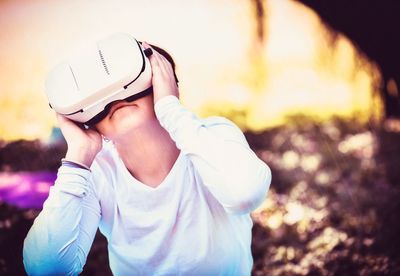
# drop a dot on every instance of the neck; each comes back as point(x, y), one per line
point(148, 152)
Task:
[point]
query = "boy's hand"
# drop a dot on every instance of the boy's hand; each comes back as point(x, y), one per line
point(163, 78)
point(83, 144)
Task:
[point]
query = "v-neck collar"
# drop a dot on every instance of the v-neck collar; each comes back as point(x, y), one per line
point(140, 185)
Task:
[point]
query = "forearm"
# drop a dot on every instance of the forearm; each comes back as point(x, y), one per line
point(228, 167)
point(62, 234)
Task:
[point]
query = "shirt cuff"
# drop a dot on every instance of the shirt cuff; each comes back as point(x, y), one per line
point(162, 106)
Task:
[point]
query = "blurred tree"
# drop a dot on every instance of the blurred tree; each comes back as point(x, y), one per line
point(372, 26)
point(259, 12)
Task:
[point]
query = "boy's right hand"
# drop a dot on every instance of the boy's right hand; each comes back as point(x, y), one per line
point(83, 144)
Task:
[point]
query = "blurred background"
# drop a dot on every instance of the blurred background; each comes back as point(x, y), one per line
point(313, 84)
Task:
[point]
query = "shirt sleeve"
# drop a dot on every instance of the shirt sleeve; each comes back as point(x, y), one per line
point(61, 236)
point(230, 170)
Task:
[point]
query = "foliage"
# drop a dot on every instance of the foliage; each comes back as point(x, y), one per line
point(32, 155)
point(333, 204)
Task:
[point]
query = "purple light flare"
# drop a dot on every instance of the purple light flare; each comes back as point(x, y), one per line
point(26, 189)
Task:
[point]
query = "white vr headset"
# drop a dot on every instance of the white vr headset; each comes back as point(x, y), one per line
point(84, 87)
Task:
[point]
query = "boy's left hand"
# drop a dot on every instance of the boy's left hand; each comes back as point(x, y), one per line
point(163, 77)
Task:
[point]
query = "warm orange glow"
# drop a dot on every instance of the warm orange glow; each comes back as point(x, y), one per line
point(302, 74)
point(220, 70)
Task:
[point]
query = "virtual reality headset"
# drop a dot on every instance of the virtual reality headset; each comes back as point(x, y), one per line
point(84, 87)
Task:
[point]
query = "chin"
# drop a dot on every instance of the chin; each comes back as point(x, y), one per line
point(127, 118)
point(131, 119)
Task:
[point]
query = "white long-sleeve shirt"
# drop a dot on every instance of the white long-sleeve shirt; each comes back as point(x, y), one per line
point(196, 222)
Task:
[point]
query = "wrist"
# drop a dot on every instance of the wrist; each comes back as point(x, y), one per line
point(80, 157)
point(158, 98)
point(165, 99)
point(74, 164)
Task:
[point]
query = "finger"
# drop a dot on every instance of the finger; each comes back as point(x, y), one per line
point(64, 122)
point(167, 68)
point(164, 64)
point(163, 61)
point(147, 50)
point(146, 45)
point(161, 64)
point(61, 119)
point(155, 56)
point(154, 61)
point(167, 64)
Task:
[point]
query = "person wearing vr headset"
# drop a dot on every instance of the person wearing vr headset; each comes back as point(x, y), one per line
point(171, 192)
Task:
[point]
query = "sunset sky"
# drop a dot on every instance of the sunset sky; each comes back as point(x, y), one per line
point(213, 44)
